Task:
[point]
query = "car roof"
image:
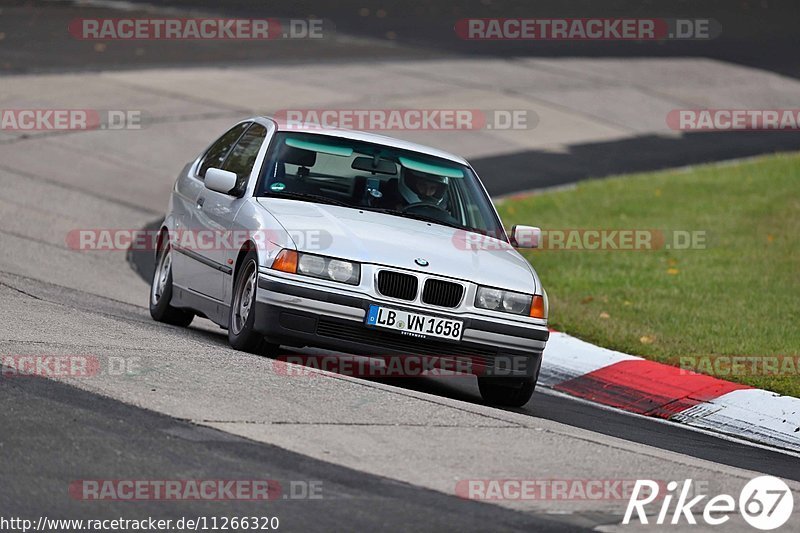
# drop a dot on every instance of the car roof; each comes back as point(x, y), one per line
point(365, 137)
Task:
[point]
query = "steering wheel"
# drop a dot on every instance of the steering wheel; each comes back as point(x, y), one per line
point(434, 211)
point(421, 206)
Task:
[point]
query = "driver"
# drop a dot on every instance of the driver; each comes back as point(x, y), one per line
point(417, 187)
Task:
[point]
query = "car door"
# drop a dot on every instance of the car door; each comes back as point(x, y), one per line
point(188, 269)
point(216, 211)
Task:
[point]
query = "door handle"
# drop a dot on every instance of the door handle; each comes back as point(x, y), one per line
point(200, 202)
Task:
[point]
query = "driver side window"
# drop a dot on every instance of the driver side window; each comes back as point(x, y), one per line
point(243, 156)
point(215, 156)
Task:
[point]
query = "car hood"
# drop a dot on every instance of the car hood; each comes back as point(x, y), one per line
point(382, 239)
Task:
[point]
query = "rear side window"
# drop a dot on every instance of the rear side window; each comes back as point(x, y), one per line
point(243, 156)
point(216, 155)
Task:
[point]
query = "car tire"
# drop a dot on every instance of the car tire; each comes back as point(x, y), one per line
point(506, 392)
point(242, 334)
point(161, 291)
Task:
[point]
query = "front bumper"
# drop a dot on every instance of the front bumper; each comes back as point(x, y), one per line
point(294, 314)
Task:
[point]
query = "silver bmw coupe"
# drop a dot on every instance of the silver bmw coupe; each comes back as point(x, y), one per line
point(292, 236)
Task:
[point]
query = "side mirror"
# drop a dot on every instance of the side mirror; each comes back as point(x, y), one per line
point(220, 180)
point(525, 236)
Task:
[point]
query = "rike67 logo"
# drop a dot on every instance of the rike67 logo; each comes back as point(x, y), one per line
point(765, 503)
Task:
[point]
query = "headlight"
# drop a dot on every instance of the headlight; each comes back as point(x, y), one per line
point(489, 298)
point(504, 301)
point(341, 270)
point(317, 266)
point(311, 265)
point(514, 302)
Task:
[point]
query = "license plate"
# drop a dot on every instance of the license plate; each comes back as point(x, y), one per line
point(414, 324)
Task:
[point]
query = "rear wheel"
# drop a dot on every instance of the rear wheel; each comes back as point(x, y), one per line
point(161, 291)
point(241, 326)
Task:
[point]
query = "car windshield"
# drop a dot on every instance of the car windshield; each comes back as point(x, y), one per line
point(368, 176)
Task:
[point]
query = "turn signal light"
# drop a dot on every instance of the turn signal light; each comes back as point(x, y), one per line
point(538, 308)
point(286, 261)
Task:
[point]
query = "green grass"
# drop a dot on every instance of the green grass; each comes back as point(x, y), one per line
point(738, 296)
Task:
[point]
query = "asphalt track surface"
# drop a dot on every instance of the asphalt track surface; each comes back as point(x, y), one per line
point(103, 438)
point(59, 433)
point(34, 41)
point(204, 412)
point(760, 34)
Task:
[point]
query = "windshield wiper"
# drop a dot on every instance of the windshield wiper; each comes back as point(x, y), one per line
point(418, 217)
point(308, 197)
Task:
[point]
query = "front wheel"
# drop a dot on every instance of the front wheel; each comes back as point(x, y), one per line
point(242, 334)
point(507, 392)
point(161, 291)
